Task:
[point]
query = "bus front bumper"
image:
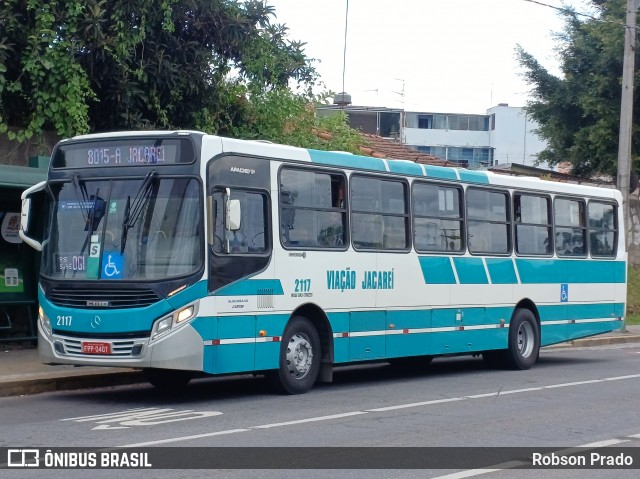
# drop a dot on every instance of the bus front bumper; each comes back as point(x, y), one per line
point(180, 349)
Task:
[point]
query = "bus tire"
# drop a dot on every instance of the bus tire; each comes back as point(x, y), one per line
point(299, 358)
point(167, 379)
point(524, 340)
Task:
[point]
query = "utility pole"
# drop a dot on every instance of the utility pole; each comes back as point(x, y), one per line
point(626, 112)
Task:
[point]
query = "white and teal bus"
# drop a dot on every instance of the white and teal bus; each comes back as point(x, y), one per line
point(183, 253)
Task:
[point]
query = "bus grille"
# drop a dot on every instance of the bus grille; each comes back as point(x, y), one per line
point(103, 298)
point(118, 348)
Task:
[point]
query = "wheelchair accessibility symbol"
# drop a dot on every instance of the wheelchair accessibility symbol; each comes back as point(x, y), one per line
point(112, 265)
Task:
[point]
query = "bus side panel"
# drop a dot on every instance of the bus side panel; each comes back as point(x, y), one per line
point(267, 347)
point(399, 343)
point(340, 326)
point(552, 324)
point(207, 328)
point(367, 335)
point(592, 313)
point(230, 356)
point(496, 337)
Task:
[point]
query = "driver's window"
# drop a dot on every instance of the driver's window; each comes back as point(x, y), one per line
point(251, 237)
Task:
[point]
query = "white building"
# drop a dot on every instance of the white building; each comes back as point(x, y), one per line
point(503, 135)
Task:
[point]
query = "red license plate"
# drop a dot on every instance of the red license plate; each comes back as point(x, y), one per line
point(96, 348)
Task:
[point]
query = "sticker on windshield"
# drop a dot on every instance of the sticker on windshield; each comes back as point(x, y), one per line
point(77, 205)
point(113, 207)
point(112, 265)
point(93, 262)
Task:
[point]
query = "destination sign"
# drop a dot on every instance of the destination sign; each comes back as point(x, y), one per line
point(124, 152)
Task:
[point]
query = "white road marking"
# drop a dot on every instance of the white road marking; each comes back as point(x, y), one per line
point(608, 442)
point(311, 419)
point(415, 404)
point(142, 417)
point(381, 409)
point(185, 438)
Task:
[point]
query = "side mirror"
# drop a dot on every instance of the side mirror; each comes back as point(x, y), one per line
point(233, 218)
point(25, 215)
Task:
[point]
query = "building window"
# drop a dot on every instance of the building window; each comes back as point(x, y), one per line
point(425, 121)
point(532, 215)
point(379, 214)
point(437, 211)
point(603, 229)
point(570, 228)
point(440, 122)
point(487, 221)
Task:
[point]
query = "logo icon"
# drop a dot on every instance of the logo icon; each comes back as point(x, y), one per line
point(23, 457)
point(95, 322)
point(112, 265)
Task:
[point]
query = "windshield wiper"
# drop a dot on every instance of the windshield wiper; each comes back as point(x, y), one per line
point(81, 194)
point(133, 210)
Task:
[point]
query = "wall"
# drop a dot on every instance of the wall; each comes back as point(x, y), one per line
point(17, 154)
point(513, 136)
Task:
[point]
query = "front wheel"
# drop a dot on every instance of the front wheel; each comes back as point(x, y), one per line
point(524, 340)
point(299, 362)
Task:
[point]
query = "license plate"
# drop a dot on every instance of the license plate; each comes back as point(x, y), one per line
point(96, 348)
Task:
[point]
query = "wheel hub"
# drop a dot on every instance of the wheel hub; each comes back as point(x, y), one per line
point(299, 356)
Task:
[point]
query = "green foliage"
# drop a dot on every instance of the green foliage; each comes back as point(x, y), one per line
point(95, 65)
point(280, 116)
point(578, 113)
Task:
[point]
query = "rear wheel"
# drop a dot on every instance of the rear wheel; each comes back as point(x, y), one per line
point(524, 340)
point(299, 363)
point(168, 379)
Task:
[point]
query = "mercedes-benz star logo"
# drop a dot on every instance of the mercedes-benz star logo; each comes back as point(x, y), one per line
point(95, 322)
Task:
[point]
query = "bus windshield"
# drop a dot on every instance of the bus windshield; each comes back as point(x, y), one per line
point(134, 229)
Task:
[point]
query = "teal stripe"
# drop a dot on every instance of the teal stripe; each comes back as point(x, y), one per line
point(437, 270)
point(346, 160)
point(544, 271)
point(501, 270)
point(471, 176)
point(404, 167)
point(470, 270)
point(251, 287)
point(441, 172)
point(565, 311)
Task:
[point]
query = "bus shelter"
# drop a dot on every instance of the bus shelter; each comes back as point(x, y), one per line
point(18, 262)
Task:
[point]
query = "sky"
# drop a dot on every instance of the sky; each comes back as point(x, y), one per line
point(450, 56)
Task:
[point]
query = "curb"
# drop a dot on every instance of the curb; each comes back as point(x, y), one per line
point(623, 338)
point(22, 387)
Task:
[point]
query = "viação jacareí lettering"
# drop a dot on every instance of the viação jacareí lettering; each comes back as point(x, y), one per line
point(346, 279)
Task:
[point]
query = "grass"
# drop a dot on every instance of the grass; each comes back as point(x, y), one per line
point(633, 295)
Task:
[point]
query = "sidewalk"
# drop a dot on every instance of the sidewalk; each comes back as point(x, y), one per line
point(22, 373)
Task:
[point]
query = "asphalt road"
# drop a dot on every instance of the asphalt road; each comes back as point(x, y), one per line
point(573, 397)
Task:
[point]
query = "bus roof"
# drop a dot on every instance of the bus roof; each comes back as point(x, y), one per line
point(380, 165)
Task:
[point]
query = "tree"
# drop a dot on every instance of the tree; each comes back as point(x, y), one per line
point(96, 65)
point(578, 113)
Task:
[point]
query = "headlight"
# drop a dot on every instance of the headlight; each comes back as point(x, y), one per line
point(177, 319)
point(44, 321)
